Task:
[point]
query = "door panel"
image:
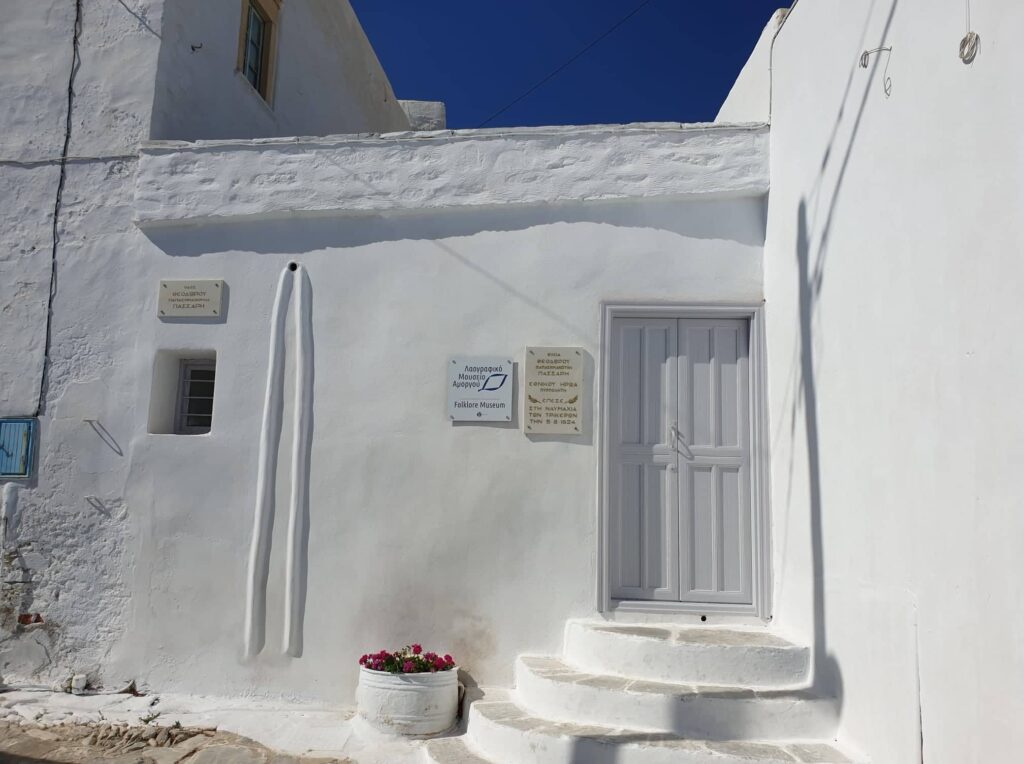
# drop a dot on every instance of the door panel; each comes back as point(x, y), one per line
point(713, 450)
point(644, 534)
point(679, 451)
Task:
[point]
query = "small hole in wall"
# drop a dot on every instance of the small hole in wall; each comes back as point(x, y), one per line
point(703, 618)
point(292, 266)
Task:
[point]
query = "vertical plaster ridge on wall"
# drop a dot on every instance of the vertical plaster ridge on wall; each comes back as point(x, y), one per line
point(301, 436)
point(259, 550)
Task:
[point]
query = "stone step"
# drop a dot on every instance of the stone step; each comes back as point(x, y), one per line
point(506, 733)
point(734, 657)
point(553, 689)
point(451, 750)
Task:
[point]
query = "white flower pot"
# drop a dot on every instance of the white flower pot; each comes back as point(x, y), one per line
point(409, 704)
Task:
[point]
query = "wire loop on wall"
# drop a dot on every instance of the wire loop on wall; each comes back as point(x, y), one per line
point(886, 79)
point(969, 47)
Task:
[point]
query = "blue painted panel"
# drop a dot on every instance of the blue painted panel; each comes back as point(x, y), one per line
point(16, 437)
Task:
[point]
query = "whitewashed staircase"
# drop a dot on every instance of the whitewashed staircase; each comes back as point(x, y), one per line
point(643, 694)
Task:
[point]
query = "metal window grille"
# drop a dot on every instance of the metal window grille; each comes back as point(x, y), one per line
point(17, 440)
point(255, 45)
point(195, 397)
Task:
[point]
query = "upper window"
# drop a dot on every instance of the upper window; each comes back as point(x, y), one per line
point(256, 41)
point(195, 397)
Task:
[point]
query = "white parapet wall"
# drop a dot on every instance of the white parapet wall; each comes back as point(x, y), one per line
point(471, 539)
point(424, 171)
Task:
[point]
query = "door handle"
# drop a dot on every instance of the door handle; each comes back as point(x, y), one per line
point(676, 441)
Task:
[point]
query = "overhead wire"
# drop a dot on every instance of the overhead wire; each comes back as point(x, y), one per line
point(568, 63)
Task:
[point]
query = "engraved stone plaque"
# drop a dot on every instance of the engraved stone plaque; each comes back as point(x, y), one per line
point(190, 299)
point(554, 395)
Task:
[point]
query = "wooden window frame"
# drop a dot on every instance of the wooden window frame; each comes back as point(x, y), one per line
point(269, 10)
point(185, 365)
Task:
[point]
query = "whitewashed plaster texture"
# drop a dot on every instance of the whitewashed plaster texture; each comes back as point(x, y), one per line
point(66, 554)
point(70, 551)
point(892, 277)
point(749, 99)
point(470, 539)
point(425, 115)
point(418, 171)
point(328, 79)
point(112, 105)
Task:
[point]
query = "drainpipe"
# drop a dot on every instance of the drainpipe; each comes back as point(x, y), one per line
point(8, 506)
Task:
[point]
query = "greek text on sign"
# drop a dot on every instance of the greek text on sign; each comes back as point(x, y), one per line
point(480, 389)
point(554, 391)
point(193, 299)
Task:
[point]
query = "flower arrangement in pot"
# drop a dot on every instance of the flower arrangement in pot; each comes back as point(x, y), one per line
point(408, 691)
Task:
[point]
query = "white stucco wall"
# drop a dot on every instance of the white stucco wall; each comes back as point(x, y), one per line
point(892, 276)
point(111, 112)
point(70, 550)
point(472, 539)
point(65, 555)
point(749, 99)
point(328, 79)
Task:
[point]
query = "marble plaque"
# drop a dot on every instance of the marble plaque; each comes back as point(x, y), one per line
point(554, 395)
point(190, 299)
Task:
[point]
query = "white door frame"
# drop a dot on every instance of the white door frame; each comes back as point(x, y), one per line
point(759, 503)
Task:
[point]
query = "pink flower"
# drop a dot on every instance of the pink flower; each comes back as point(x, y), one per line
point(408, 667)
point(362, 661)
point(439, 664)
point(416, 649)
point(449, 660)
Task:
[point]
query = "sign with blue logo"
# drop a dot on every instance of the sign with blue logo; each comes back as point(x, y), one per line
point(480, 389)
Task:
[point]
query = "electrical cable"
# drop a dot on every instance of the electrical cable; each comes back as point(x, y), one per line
point(76, 62)
point(564, 66)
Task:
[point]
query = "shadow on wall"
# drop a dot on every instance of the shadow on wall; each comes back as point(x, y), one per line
point(810, 261)
point(308, 232)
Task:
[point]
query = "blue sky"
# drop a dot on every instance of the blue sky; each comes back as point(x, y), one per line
point(673, 61)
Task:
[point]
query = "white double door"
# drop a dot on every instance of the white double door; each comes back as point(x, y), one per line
point(679, 461)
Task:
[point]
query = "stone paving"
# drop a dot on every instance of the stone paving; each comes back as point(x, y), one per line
point(25, 743)
point(41, 725)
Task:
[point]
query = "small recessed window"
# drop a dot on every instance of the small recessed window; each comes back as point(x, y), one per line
point(256, 44)
point(195, 397)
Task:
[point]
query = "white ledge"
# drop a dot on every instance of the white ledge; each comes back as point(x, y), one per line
point(180, 181)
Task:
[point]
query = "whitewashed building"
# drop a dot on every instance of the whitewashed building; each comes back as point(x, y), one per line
point(770, 519)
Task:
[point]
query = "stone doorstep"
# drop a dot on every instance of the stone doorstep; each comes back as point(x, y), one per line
point(508, 715)
point(557, 670)
point(716, 636)
point(747, 657)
